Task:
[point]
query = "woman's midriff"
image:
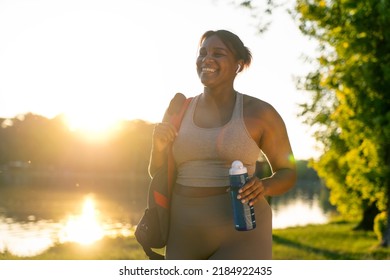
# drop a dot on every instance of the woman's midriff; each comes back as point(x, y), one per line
point(199, 191)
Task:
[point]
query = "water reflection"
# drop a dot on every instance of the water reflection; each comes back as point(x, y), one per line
point(34, 237)
point(26, 239)
point(85, 228)
point(45, 216)
point(298, 213)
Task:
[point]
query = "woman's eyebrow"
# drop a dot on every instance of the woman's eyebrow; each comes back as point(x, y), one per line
point(221, 49)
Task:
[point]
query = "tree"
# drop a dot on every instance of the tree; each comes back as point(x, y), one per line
point(263, 8)
point(349, 103)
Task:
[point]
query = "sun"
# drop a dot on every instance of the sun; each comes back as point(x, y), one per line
point(92, 126)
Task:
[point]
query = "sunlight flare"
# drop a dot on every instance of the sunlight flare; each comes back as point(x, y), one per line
point(92, 126)
point(85, 228)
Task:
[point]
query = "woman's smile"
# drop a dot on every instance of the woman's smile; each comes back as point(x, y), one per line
point(208, 70)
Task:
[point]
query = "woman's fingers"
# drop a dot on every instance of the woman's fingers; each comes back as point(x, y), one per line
point(163, 134)
point(252, 191)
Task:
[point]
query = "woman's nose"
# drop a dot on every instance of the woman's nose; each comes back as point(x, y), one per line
point(207, 58)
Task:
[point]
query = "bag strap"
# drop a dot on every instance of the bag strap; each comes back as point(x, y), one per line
point(176, 120)
point(163, 199)
point(152, 254)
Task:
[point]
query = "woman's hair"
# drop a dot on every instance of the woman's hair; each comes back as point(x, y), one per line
point(233, 43)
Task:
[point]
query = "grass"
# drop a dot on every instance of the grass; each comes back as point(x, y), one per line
point(121, 248)
point(332, 241)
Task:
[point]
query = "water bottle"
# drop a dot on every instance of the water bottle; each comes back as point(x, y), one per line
point(244, 214)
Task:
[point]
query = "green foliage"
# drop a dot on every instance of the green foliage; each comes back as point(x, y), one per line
point(261, 11)
point(350, 103)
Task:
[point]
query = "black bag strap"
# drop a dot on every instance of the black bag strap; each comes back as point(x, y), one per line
point(152, 254)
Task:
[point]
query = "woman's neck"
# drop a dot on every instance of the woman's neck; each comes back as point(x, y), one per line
point(220, 95)
point(215, 108)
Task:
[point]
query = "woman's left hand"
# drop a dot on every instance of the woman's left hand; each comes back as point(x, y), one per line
point(252, 191)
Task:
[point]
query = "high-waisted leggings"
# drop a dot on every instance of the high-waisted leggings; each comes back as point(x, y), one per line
point(202, 228)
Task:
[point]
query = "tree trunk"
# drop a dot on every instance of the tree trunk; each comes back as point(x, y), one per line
point(386, 236)
point(369, 214)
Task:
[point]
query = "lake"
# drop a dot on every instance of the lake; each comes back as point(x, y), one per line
point(37, 214)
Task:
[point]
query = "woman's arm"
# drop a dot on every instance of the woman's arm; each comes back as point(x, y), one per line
point(274, 142)
point(164, 134)
point(276, 146)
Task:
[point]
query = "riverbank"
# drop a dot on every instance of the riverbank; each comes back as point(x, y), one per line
point(333, 241)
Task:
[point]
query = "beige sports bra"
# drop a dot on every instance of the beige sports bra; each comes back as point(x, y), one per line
point(204, 155)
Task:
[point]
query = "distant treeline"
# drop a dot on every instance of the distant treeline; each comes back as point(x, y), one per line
point(33, 142)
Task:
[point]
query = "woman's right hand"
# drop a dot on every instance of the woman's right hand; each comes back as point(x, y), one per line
point(163, 134)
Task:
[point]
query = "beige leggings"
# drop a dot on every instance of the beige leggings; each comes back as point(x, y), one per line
point(202, 228)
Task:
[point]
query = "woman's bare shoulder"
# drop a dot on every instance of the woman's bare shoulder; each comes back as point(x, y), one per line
point(256, 107)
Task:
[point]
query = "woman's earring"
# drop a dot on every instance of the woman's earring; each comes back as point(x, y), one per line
point(238, 68)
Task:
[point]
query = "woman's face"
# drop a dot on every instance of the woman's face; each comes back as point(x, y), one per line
point(216, 64)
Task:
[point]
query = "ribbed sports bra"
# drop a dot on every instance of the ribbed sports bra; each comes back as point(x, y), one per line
point(204, 155)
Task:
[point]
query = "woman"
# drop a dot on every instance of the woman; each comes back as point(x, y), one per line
point(222, 125)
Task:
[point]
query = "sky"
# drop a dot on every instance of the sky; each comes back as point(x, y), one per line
point(99, 61)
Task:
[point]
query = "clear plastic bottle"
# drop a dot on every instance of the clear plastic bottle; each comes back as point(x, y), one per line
point(244, 214)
